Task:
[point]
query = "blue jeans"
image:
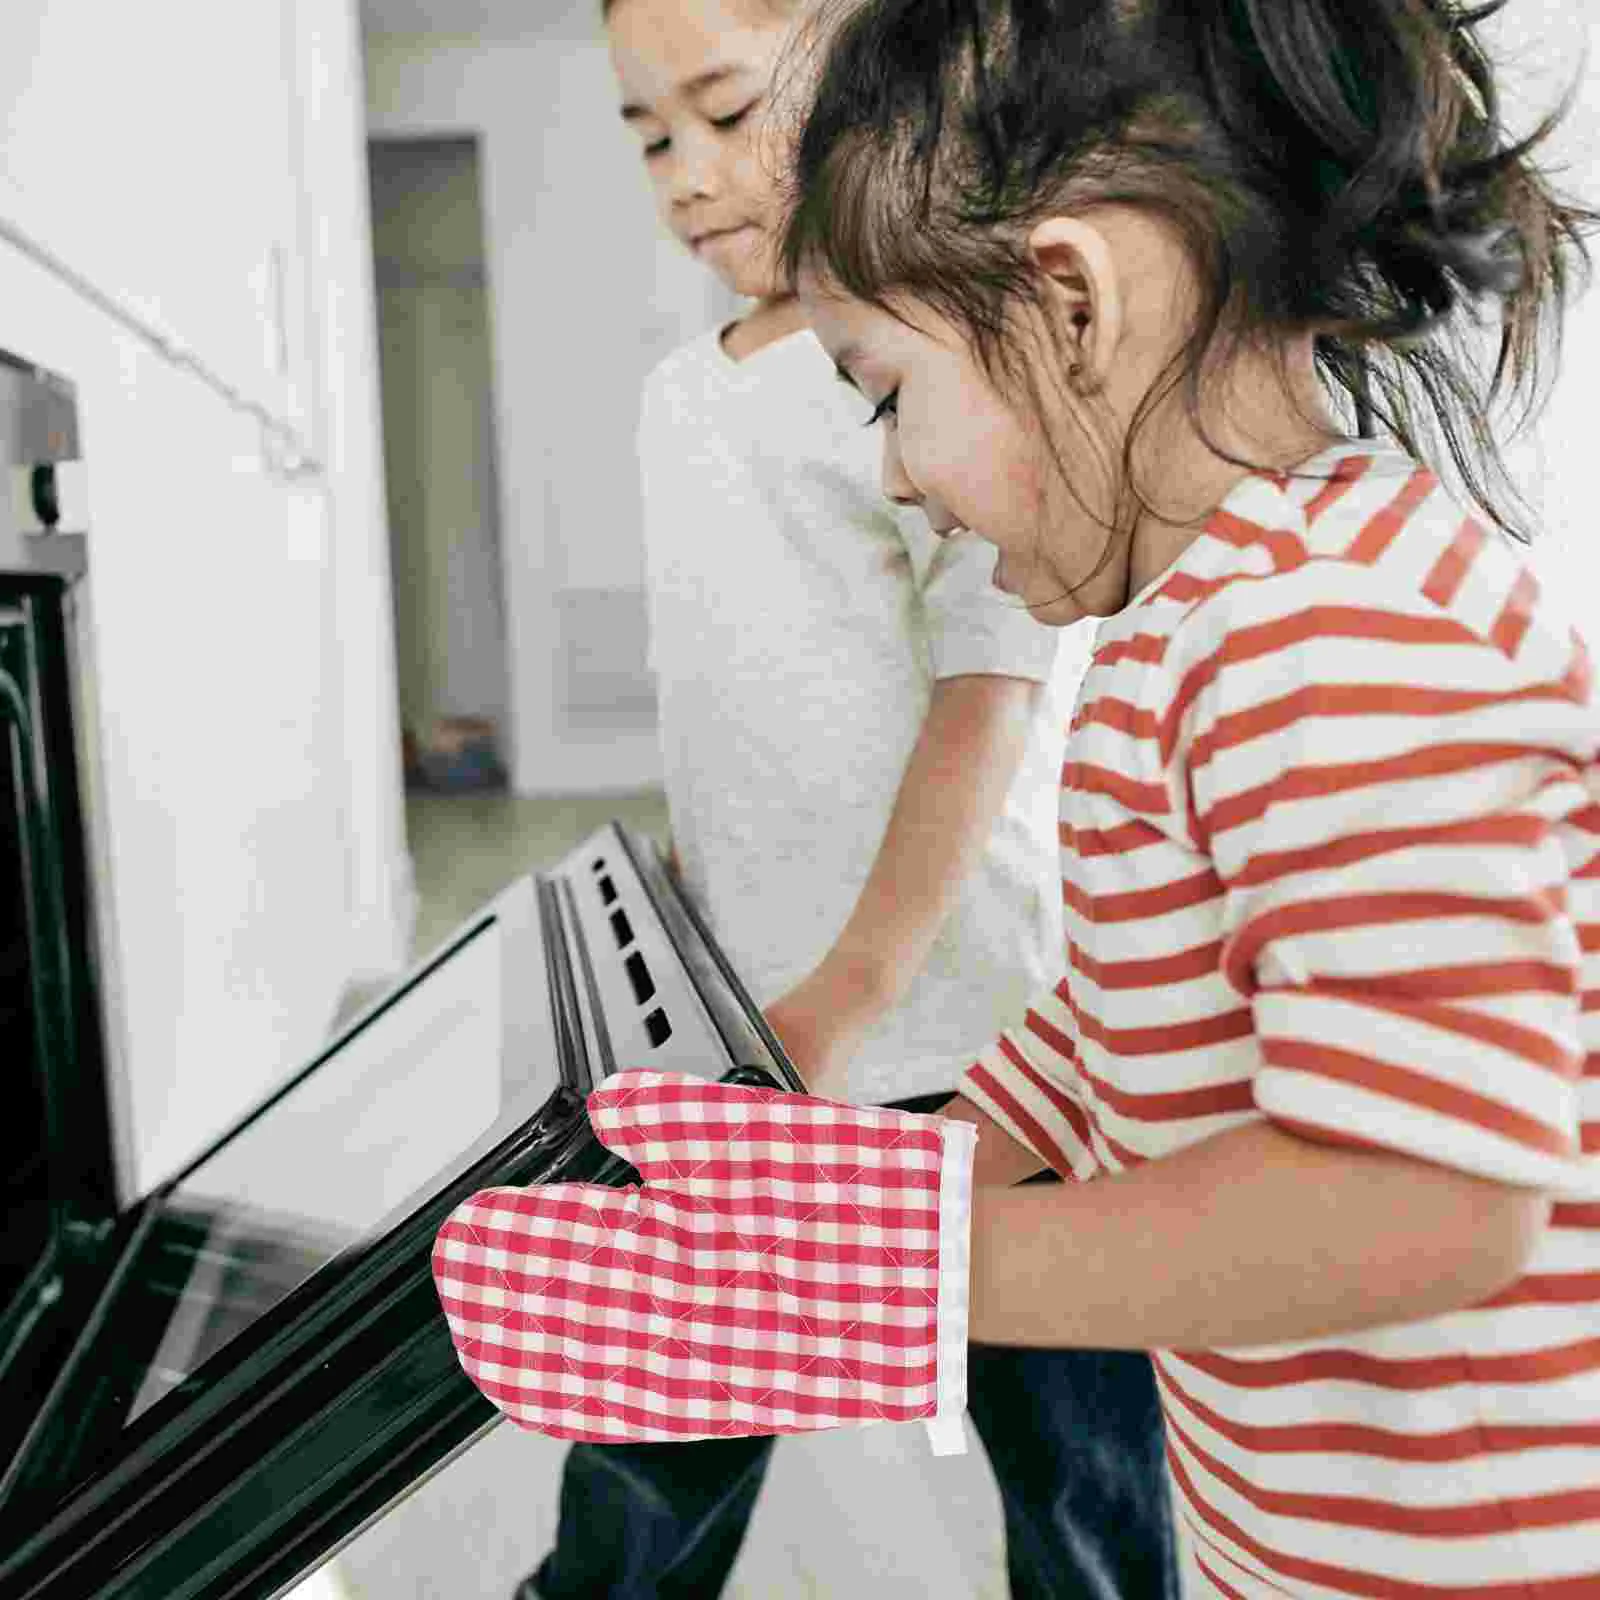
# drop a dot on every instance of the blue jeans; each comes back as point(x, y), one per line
point(1074, 1437)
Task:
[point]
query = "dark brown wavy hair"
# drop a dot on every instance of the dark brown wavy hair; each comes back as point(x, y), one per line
point(1334, 167)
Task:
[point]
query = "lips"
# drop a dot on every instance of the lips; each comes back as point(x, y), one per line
point(711, 235)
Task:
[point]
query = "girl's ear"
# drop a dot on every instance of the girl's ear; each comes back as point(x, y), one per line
point(1080, 279)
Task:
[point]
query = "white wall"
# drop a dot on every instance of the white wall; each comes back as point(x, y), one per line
point(247, 732)
point(1541, 47)
point(587, 293)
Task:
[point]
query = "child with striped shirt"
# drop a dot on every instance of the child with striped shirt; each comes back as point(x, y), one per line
point(1324, 1057)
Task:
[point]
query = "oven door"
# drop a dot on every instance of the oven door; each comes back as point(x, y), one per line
point(57, 1188)
point(266, 1368)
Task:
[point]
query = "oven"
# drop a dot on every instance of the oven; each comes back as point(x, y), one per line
point(210, 1387)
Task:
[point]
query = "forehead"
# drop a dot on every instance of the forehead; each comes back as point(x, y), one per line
point(661, 47)
point(846, 326)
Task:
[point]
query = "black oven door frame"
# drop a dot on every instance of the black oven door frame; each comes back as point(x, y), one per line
point(60, 1173)
point(49, 826)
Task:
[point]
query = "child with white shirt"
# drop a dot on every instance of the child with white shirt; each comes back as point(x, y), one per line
point(862, 743)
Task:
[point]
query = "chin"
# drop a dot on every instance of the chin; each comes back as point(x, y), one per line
point(753, 287)
point(751, 275)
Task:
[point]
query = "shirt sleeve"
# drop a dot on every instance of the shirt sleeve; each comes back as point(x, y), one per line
point(1026, 1082)
point(972, 628)
point(1389, 800)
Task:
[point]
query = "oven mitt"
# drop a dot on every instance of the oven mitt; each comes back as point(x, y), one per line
point(788, 1264)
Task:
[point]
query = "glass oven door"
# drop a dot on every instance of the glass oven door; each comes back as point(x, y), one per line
point(266, 1367)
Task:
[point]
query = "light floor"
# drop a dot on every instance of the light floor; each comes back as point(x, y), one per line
point(466, 848)
point(864, 1511)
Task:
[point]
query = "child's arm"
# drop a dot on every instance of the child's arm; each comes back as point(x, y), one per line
point(1256, 1236)
point(1407, 923)
point(954, 787)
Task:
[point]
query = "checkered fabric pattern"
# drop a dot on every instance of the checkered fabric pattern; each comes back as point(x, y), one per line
point(788, 1264)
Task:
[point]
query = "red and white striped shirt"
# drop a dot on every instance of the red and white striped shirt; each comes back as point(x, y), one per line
point(1330, 830)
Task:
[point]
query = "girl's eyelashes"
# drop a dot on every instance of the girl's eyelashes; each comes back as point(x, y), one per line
point(734, 118)
point(889, 406)
point(659, 147)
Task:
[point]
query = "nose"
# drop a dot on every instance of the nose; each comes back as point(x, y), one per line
point(694, 170)
point(897, 486)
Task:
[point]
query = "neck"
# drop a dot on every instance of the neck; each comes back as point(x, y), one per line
point(771, 319)
point(1273, 417)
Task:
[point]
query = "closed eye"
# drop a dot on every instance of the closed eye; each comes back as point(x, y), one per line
point(889, 406)
point(735, 118)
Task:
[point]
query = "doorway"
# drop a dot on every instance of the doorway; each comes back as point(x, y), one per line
point(440, 461)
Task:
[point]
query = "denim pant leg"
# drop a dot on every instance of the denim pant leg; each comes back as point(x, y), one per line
point(651, 1521)
point(1076, 1442)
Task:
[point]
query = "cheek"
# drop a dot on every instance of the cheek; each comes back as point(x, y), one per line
point(985, 467)
point(752, 268)
point(753, 176)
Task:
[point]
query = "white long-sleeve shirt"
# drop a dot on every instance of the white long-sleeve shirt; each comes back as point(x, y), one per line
point(798, 623)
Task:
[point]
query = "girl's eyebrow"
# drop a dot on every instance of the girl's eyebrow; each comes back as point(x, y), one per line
point(695, 85)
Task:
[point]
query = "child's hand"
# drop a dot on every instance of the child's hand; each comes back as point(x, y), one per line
point(820, 1023)
point(820, 1057)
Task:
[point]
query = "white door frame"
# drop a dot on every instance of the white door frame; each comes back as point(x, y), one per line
point(328, 114)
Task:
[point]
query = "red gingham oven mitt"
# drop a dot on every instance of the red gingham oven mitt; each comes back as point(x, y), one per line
point(788, 1264)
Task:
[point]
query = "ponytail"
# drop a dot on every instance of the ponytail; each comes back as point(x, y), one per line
point(1417, 207)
